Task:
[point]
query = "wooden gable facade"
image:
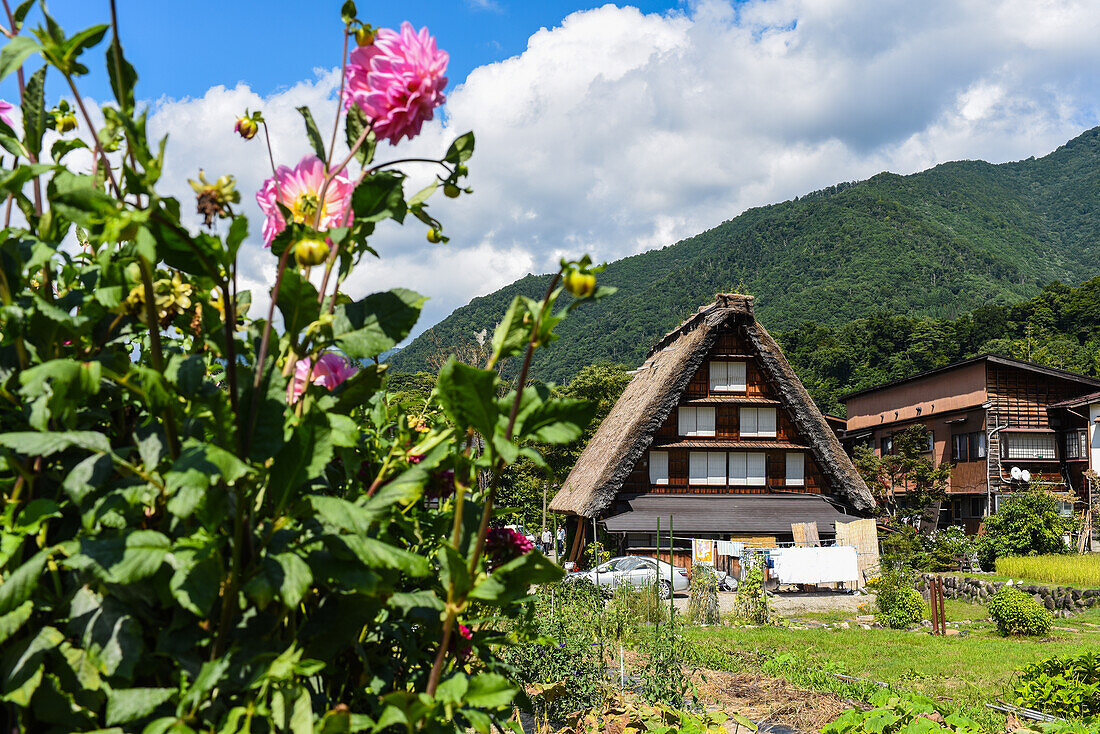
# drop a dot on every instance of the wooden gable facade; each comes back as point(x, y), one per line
point(744, 440)
point(716, 432)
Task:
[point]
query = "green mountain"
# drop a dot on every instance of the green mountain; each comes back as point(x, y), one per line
point(937, 243)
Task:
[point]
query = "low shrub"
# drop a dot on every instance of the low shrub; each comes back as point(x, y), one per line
point(895, 712)
point(1060, 569)
point(1027, 524)
point(1016, 613)
point(898, 603)
point(1064, 685)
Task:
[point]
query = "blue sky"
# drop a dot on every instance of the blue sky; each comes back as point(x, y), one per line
point(183, 47)
point(618, 128)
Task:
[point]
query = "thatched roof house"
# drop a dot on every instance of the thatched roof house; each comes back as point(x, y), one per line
point(715, 415)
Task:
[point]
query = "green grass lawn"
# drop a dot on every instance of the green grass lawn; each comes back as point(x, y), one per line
point(966, 671)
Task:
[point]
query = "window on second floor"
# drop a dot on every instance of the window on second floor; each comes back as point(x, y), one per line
point(757, 422)
point(707, 467)
point(728, 376)
point(748, 469)
point(696, 421)
point(886, 445)
point(1077, 444)
point(1028, 446)
point(968, 446)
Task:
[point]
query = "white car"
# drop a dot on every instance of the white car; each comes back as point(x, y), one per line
point(522, 531)
point(638, 571)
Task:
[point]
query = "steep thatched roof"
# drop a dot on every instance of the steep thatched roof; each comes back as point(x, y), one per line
point(628, 430)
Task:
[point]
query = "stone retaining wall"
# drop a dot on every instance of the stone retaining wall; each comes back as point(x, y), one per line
point(1064, 601)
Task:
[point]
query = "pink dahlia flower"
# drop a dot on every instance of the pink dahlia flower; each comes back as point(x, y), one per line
point(504, 544)
point(5, 112)
point(299, 190)
point(397, 81)
point(329, 371)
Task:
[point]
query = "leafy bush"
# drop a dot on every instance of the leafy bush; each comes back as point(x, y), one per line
point(1067, 686)
point(560, 624)
point(898, 603)
point(896, 712)
point(1028, 524)
point(703, 602)
point(1016, 613)
point(215, 521)
point(1061, 569)
point(944, 546)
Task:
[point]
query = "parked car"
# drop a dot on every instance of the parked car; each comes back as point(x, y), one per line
point(637, 571)
point(522, 531)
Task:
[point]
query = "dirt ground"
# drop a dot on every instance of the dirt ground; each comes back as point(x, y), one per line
point(771, 700)
point(793, 603)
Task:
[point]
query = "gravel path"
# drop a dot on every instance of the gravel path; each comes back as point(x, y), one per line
point(793, 603)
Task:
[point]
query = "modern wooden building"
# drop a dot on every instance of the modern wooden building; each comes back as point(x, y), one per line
point(985, 416)
point(716, 431)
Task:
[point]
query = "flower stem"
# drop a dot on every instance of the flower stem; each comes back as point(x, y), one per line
point(95, 137)
point(10, 33)
point(264, 340)
point(155, 347)
point(340, 98)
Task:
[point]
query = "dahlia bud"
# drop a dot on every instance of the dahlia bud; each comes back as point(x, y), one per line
point(364, 36)
point(451, 191)
point(581, 285)
point(65, 123)
point(64, 117)
point(246, 127)
point(434, 236)
point(310, 251)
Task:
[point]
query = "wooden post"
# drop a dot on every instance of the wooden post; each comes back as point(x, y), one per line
point(932, 603)
point(943, 608)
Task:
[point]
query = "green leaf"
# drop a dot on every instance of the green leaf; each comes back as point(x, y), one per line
point(34, 111)
point(453, 572)
point(15, 52)
point(91, 473)
point(302, 459)
point(490, 690)
point(312, 133)
point(297, 301)
point(344, 515)
point(513, 333)
point(15, 619)
point(238, 231)
point(35, 514)
point(513, 580)
point(196, 580)
point(44, 443)
point(354, 123)
point(23, 665)
point(124, 559)
point(123, 76)
point(107, 631)
point(370, 326)
point(82, 665)
point(380, 196)
point(18, 586)
point(461, 149)
point(297, 578)
point(468, 396)
point(130, 704)
point(377, 554)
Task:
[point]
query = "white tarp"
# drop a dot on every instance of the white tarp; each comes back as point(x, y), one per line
point(828, 565)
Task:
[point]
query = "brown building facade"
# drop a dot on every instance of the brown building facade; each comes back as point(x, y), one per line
point(985, 416)
point(716, 432)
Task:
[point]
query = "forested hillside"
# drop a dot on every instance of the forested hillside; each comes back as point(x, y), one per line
point(1060, 327)
point(934, 244)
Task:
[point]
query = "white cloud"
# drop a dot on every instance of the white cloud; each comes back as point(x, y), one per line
point(617, 131)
